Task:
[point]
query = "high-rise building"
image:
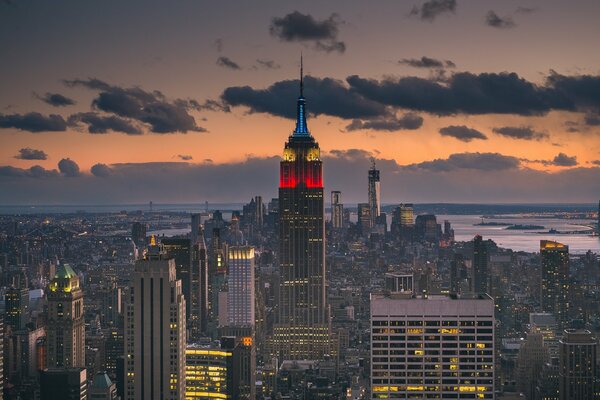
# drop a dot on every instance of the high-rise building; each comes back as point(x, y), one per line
point(432, 347)
point(531, 359)
point(217, 280)
point(374, 193)
point(364, 217)
point(199, 287)
point(65, 330)
point(240, 294)
point(302, 328)
point(459, 277)
point(403, 221)
point(102, 388)
point(337, 210)
point(16, 304)
point(426, 228)
point(155, 329)
point(1, 356)
point(555, 280)
point(578, 365)
point(64, 384)
point(480, 266)
point(598, 228)
point(545, 324)
point(138, 234)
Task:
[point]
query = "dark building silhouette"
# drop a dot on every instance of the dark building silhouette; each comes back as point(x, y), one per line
point(555, 280)
point(578, 365)
point(480, 266)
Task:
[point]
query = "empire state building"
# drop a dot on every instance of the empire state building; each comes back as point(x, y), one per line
point(302, 328)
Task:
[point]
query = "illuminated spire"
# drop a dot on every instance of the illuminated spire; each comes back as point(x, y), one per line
point(301, 127)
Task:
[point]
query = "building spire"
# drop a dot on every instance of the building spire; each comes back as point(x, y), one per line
point(301, 127)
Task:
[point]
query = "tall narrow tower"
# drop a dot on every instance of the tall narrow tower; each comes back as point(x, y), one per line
point(374, 193)
point(555, 280)
point(65, 332)
point(302, 327)
point(155, 330)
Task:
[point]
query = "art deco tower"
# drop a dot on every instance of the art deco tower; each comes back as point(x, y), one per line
point(65, 332)
point(302, 328)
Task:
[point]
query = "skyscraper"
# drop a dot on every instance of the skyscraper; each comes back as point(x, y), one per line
point(480, 266)
point(432, 347)
point(155, 330)
point(337, 210)
point(578, 365)
point(199, 307)
point(16, 303)
point(1, 356)
point(302, 327)
point(374, 193)
point(240, 294)
point(65, 330)
point(555, 280)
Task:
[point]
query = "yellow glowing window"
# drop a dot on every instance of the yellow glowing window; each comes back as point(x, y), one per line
point(480, 345)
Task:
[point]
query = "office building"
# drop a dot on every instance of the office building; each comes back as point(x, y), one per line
point(403, 221)
point(217, 280)
point(302, 327)
point(480, 266)
point(578, 365)
point(1, 356)
point(531, 359)
point(16, 304)
point(555, 280)
point(155, 329)
point(337, 210)
point(545, 324)
point(432, 347)
point(102, 388)
point(240, 294)
point(65, 330)
point(199, 287)
point(374, 193)
point(138, 234)
point(64, 384)
point(364, 217)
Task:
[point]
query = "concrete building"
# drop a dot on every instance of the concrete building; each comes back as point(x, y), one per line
point(432, 347)
point(240, 295)
point(555, 280)
point(155, 330)
point(337, 210)
point(63, 384)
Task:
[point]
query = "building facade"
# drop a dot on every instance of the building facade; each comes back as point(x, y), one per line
point(337, 210)
point(302, 327)
point(578, 366)
point(65, 330)
point(374, 193)
point(240, 295)
point(432, 347)
point(555, 280)
point(155, 330)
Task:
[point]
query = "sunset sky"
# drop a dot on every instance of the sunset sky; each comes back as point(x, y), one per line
point(187, 101)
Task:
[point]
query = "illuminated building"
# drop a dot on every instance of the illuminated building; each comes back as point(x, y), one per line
point(65, 330)
point(337, 210)
point(240, 294)
point(16, 303)
point(199, 307)
point(217, 279)
point(374, 194)
point(1, 356)
point(302, 329)
point(155, 329)
point(432, 347)
point(218, 372)
point(480, 266)
point(403, 221)
point(555, 280)
point(545, 323)
point(578, 365)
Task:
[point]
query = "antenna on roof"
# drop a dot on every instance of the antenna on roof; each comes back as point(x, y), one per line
point(301, 76)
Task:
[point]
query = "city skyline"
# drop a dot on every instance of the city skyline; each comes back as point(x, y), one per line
point(443, 123)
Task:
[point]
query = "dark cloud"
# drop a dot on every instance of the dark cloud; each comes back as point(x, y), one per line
point(408, 121)
point(267, 64)
point(227, 63)
point(495, 21)
point(31, 154)
point(520, 132)
point(298, 27)
point(152, 108)
point(466, 177)
point(431, 9)
point(596, 162)
point(525, 10)
point(68, 168)
point(497, 93)
point(592, 119)
point(101, 170)
point(56, 100)
point(563, 160)
point(34, 122)
point(427, 62)
point(462, 132)
point(325, 96)
point(475, 161)
point(185, 157)
point(97, 123)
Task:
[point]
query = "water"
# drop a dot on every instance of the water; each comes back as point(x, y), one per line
point(525, 240)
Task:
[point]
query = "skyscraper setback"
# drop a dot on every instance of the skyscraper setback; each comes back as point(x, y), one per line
point(302, 328)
